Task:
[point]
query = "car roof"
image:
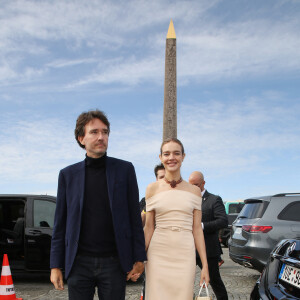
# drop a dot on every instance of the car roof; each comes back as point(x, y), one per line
point(13, 196)
point(268, 198)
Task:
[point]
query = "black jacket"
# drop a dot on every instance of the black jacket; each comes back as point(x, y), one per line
point(214, 218)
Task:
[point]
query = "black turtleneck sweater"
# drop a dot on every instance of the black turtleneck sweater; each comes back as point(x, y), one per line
point(97, 236)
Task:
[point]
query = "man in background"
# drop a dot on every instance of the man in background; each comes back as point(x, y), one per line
point(214, 218)
point(159, 172)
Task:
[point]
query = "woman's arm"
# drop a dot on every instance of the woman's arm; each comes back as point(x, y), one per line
point(149, 227)
point(150, 215)
point(200, 245)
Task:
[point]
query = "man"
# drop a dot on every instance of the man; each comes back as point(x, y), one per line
point(159, 172)
point(213, 219)
point(97, 236)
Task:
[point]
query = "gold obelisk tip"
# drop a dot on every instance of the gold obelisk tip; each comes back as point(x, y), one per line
point(171, 32)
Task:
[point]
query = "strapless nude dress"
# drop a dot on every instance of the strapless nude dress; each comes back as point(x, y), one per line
point(171, 265)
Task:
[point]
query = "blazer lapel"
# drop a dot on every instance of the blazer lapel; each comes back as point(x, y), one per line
point(81, 180)
point(205, 196)
point(110, 177)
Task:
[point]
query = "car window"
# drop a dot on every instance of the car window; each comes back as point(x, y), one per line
point(235, 208)
point(253, 209)
point(43, 213)
point(16, 210)
point(291, 212)
point(10, 211)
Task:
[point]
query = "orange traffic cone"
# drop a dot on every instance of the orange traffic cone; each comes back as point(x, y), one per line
point(7, 290)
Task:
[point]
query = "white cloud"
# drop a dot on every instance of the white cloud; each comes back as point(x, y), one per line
point(256, 48)
point(238, 137)
point(127, 40)
point(76, 50)
point(67, 63)
point(33, 150)
point(222, 138)
point(128, 72)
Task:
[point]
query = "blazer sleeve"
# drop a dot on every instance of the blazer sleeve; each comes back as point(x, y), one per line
point(219, 219)
point(138, 240)
point(57, 253)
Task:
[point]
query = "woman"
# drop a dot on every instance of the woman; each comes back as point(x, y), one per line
point(173, 228)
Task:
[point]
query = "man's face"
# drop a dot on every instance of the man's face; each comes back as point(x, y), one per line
point(199, 182)
point(95, 138)
point(160, 174)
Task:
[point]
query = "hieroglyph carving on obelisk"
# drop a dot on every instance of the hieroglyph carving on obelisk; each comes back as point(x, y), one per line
point(170, 93)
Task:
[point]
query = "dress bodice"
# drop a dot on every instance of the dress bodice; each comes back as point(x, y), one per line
point(174, 208)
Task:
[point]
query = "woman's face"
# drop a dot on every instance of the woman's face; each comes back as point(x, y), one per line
point(172, 156)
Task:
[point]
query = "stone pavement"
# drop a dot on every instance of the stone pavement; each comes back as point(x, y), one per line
point(238, 280)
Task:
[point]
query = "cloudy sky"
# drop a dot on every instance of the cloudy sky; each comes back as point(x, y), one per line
point(238, 90)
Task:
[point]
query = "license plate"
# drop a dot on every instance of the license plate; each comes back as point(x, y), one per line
point(290, 275)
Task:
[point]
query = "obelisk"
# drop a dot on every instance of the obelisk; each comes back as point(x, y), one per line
point(170, 93)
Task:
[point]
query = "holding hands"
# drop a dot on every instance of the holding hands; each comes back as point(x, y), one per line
point(137, 270)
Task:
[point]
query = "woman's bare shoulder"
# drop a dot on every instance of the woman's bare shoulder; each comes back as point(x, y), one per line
point(194, 190)
point(152, 189)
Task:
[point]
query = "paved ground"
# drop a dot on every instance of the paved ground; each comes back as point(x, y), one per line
point(238, 280)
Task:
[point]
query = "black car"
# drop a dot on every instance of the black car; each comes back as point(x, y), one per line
point(281, 277)
point(26, 223)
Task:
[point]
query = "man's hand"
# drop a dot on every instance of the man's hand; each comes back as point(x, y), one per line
point(137, 270)
point(56, 278)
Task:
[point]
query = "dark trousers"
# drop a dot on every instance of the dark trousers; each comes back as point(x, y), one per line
point(215, 277)
point(103, 272)
point(144, 286)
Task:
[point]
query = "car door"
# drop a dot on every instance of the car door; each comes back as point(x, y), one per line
point(38, 232)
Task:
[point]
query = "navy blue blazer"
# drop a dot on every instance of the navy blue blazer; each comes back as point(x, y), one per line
point(124, 203)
